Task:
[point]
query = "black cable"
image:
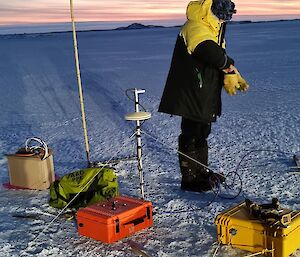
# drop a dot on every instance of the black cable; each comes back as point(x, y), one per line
point(225, 185)
point(258, 150)
point(214, 180)
point(252, 151)
point(216, 184)
point(235, 172)
point(133, 100)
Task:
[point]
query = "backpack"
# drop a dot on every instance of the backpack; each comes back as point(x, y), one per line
point(103, 186)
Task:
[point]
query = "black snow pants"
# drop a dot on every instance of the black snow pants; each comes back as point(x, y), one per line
point(193, 142)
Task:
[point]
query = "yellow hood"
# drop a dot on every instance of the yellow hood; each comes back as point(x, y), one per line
point(201, 24)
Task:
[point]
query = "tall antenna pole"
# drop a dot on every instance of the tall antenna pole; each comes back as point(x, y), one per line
point(139, 116)
point(79, 85)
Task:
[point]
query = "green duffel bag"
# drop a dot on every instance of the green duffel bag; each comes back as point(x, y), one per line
point(91, 190)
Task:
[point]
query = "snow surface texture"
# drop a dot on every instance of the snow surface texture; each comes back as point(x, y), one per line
point(39, 97)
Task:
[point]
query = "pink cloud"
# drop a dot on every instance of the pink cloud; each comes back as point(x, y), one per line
point(36, 11)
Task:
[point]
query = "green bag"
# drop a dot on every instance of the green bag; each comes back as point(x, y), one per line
point(102, 187)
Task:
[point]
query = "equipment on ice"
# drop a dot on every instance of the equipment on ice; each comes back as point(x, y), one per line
point(114, 219)
point(31, 167)
point(36, 145)
point(264, 229)
point(83, 187)
point(139, 116)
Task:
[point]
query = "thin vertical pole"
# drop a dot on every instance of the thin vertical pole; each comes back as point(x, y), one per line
point(139, 143)
point(80, 85)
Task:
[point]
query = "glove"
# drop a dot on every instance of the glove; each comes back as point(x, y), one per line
point(231, 83)
point(243, 84)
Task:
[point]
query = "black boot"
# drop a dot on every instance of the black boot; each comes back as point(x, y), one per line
point(188, 170)
point(195, 177)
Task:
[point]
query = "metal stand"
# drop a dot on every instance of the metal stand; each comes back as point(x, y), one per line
point(139, 116)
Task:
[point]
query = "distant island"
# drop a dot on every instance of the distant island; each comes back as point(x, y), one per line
point(134, 26)
point(142, 26)
point(139, 26)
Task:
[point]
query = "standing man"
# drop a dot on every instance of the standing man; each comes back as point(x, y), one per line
point(200, 68)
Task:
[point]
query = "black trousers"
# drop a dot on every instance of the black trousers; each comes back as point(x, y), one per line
point(194, 135)
point(193, 143)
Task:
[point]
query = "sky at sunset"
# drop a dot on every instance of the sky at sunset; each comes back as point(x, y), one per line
point(41, 11)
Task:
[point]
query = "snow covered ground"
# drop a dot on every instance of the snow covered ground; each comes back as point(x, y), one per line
point(39, 97)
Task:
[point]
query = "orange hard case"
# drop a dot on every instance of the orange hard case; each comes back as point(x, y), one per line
point(114, 219)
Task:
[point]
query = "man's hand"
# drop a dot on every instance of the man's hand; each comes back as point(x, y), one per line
point(243, 83)
point(231, 83)
point(233, 80)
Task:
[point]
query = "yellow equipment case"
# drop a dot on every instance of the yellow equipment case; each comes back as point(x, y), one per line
point(239, 228)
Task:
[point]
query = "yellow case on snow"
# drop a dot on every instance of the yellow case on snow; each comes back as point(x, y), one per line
point(236, 227)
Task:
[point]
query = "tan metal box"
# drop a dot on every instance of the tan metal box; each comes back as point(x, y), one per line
point(30, 171)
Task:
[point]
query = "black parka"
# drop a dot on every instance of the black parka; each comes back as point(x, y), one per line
point(195, 80)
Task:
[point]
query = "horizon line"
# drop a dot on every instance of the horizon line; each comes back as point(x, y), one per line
point(236, 18)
